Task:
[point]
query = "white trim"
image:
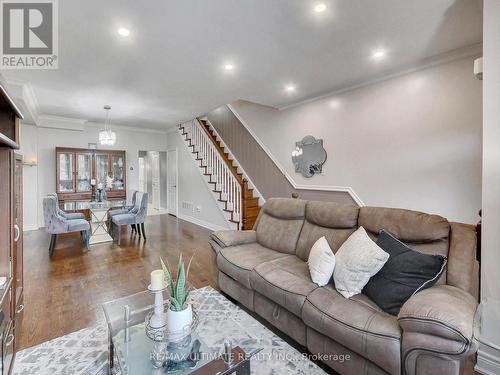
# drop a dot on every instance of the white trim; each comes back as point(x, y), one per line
point(444, 58)
point(262, 200)
point(176, 213)
point(59, 122)
point(27, 228)
point(201, 223)
point(118, 127)
point(488, 360)
point(346, 189)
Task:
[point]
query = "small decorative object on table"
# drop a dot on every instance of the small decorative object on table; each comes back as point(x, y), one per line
point(171, 331)
point(180, 313)
point(92, 185)
point(176, 325)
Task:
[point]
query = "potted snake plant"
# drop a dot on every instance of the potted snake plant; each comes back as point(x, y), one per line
point(179, 313)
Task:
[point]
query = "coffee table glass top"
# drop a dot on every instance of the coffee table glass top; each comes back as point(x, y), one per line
point(136, 355)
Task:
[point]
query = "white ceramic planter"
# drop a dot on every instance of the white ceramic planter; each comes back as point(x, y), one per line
point(179, 322)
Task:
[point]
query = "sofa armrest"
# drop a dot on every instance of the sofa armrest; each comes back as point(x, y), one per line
point(226, 238)
point(443, 310)
point(437, 326)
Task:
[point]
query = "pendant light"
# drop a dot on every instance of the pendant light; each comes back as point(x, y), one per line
point(107, 137)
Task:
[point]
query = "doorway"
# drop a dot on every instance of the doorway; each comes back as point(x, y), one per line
point(172, 197)
point(153, 180)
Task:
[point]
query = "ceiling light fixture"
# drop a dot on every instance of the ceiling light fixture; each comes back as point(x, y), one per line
point(378, 54)
point(290, 88)
point(123, 31)
point(228, 67)
point(319, 8)
point(107, 137)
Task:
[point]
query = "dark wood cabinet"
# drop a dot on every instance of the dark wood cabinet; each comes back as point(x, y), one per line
point(11, 230)
point(77, 167)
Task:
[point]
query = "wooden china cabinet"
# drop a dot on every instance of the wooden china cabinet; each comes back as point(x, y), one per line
point(11, 231)
point(77, 167)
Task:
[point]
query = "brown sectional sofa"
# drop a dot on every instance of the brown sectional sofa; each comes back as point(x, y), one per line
point(265, 270)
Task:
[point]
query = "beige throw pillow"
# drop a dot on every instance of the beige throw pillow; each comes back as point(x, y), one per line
point(358, 259)
point(321, 262)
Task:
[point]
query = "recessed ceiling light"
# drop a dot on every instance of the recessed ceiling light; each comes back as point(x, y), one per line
point(123, 31)
point(378, 54)
point(319, 8)
point(290, 88)
point(228, 67)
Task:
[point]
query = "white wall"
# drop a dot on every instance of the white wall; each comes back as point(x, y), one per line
point(412, 141)
point(488, 359)
point(192, 188)
point(29, 149)
point(40, 180)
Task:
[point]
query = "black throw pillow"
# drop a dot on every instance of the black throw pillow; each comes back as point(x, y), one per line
point(405, 273)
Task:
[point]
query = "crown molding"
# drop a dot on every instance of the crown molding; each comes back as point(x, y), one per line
point(59, 122)
point(98, 125)
point(444, 58)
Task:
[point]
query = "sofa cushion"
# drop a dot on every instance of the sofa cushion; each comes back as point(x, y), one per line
point(321, 262)
point(404, 274)
point(422, 232)
point(239, 261)
point(336, 222)
point(358, 259)
point(357, 324)
point(285, 281)
point(279, 224)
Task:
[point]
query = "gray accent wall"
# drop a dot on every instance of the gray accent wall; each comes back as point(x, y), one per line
point(261, 169)
point(412, 141)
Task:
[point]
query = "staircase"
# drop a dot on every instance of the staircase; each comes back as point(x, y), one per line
point(226, 181)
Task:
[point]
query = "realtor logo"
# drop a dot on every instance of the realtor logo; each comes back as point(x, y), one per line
point(29, 37)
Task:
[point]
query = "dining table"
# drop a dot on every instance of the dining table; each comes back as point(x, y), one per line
point(98, 212)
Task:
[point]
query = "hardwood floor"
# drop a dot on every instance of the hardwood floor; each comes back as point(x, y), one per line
point(64, 293)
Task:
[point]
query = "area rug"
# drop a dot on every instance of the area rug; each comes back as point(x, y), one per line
point(85, 352)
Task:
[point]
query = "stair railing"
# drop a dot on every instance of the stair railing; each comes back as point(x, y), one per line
point(228, 184)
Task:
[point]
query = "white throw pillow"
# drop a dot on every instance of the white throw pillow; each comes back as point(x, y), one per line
point(358, 259)
point(321, 262)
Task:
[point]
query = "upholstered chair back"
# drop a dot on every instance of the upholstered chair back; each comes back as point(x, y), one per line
point(279, 223)
point(336, 222)
point(136, 202)
point(54, 223)
point(58, 210)
point(134, 196)
point(142, 202)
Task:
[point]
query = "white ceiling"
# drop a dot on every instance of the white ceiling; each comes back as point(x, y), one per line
point(170, 68)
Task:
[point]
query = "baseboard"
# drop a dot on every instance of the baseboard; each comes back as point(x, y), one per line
point(201, 223)
point(488, 360)
point(487, 334)
point(29, 227)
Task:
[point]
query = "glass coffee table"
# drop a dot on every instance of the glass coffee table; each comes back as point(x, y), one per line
point(132, 352)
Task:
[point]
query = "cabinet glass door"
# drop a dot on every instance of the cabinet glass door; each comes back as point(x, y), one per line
point(83, 172)
point(117, 164)
point(102, 169)
point(66, 176)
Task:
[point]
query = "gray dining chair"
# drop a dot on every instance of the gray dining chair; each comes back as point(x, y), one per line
point(56, 224)
point(136, 218)
point(66, 215)
point(122, 210)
